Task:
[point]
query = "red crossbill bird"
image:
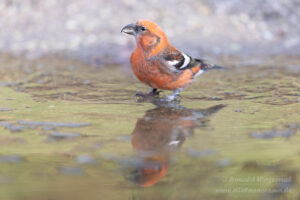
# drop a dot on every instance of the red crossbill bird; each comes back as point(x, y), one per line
point(156, 63)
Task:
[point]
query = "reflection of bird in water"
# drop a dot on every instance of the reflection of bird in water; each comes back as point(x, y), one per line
point(159, 132)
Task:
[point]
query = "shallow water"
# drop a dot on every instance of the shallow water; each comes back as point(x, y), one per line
point(73, 131)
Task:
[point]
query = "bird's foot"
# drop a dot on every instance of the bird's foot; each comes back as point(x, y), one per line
point(146, 96)
point(153, 96)
point(152, 93)
point(174, 96)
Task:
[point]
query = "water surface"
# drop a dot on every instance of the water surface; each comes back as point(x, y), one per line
point(69, 130)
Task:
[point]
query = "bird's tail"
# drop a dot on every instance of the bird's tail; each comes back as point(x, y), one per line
point(206, 66)
point(203, 66)
point(216, 67)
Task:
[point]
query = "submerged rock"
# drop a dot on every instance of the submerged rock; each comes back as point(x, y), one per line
point(11, 159)
point(71, 170)
point(5, 109)
point(223, 162)
point(6, 84)
point(17, 128)
point(98, 145)
point(14, 127)
point(57, 136)
point(85, 159)
point(286, 133)
point(5, 124)
point(239, 110)
point(56, 124)
point(48, 128)
point(201, 153)
point(124, 138)
point(214, 98)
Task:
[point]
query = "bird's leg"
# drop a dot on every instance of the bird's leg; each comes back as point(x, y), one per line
point(152, 92)
point(174, 95)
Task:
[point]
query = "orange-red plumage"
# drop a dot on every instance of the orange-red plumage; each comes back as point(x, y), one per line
point(156, 63)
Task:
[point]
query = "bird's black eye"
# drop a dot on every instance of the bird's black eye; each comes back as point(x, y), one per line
point(143, 28)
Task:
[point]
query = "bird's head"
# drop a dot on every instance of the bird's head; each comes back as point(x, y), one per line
point(149, 35)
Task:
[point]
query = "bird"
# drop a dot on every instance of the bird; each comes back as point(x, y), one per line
point(156, 63)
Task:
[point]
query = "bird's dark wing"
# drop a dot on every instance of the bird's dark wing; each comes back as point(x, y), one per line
point(181, 61)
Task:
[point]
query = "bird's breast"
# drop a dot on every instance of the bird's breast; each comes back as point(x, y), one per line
point(154, 74)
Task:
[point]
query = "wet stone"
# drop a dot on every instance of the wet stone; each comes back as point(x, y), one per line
point(71, 170)
point(57, 136)
point(201, 153)
point(213, 98)
point(11, 159)
point(85, 159)
point(48, 128)
point(239, 110)
point(56, 124)
point(17, 128)
point(271, 134)
point(6, 84)
point(229, 93)
point(225, 162)
point(5, 124)
point(98, 145)
point(5, 109)
point(14, 127)
point(125, 138)
point(293, 126)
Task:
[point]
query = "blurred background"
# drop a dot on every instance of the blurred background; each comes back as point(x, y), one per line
point(90, 30)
